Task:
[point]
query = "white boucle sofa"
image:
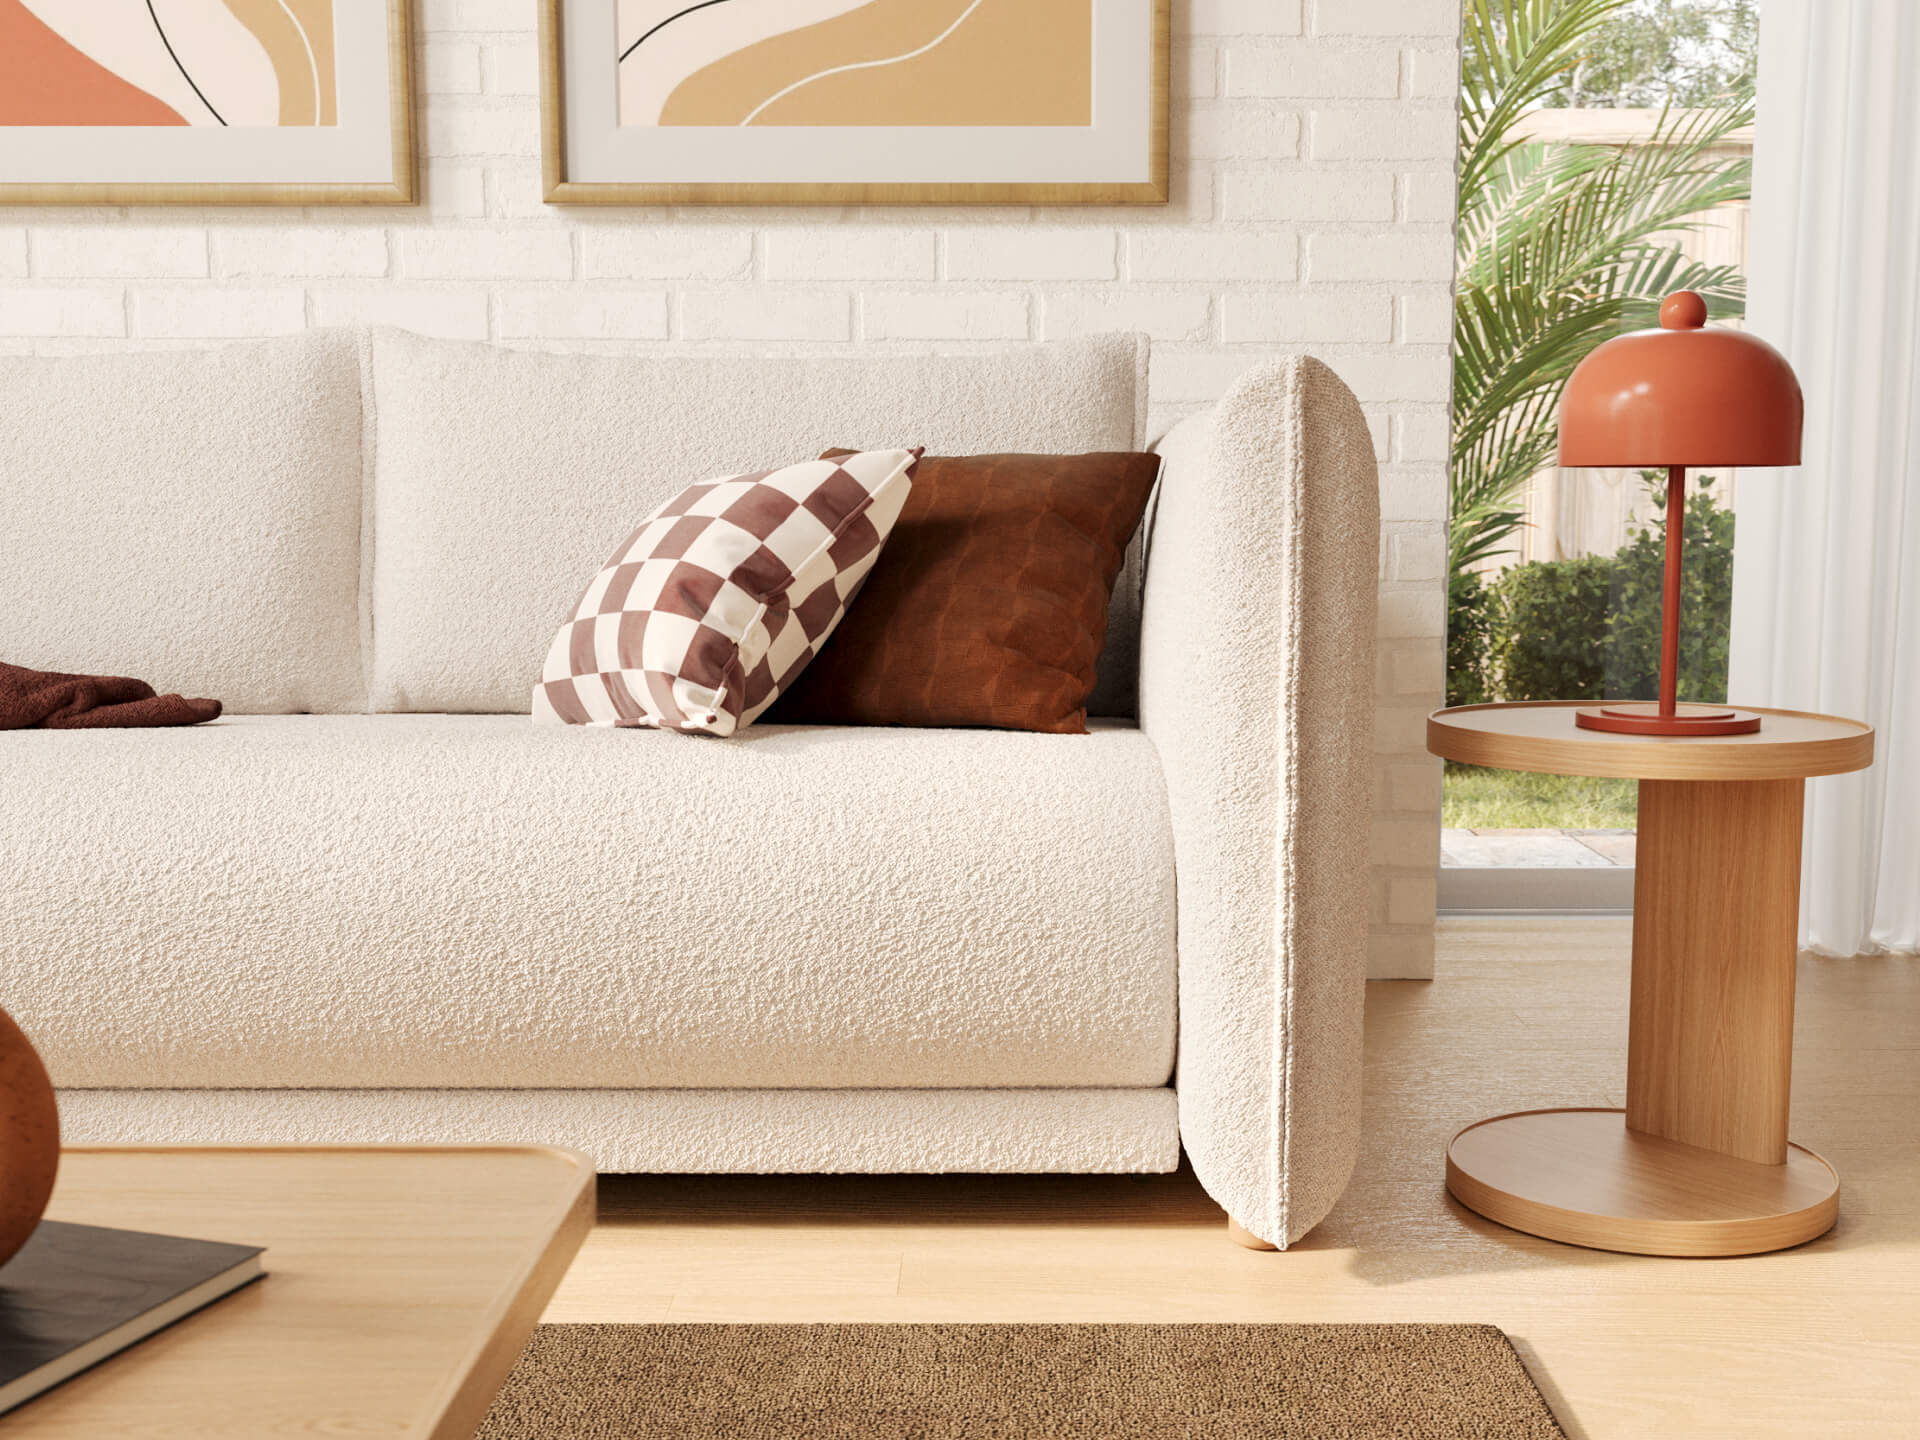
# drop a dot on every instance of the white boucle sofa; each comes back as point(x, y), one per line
point(374, 903)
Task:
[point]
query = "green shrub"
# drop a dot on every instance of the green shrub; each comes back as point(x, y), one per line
point(1470, 627)
point(1553, 628)
point(1589, 629)
point(1706, 602)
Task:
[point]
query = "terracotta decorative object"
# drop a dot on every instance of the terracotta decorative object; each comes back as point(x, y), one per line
point(1685, 394)
point(29, 1137)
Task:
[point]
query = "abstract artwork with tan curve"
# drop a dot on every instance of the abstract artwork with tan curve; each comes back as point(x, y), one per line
point(298, 38)
point(907, 63)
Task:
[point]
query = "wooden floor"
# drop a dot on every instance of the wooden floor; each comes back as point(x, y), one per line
point(1822, 1341)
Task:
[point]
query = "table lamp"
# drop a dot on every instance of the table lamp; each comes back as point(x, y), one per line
point(1685, 394)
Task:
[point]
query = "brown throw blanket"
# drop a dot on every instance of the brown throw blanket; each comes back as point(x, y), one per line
point(30, 698)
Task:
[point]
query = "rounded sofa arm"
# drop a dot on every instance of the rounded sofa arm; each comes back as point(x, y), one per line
point(1256, 686)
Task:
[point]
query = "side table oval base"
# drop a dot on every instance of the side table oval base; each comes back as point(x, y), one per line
point(1582, 1177)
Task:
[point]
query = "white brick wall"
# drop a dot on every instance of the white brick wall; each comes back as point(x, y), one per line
point(1025, 251)
point(653, 251)
point(69, 252)
point(947, 314)
point(846, 252)
point(1312, 211)
point(298, 252)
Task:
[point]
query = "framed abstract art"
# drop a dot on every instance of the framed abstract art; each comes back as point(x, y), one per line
point(205, 102)
point(876, 102)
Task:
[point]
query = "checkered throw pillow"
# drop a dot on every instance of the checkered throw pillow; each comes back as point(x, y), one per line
point(721, 597)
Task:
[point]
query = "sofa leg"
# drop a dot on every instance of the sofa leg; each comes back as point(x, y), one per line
point(1240, 1235)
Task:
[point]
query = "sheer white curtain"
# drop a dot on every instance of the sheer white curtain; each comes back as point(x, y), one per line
point(1826, 589)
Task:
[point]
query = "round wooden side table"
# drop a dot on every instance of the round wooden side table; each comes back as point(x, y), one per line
point(1699, 1162)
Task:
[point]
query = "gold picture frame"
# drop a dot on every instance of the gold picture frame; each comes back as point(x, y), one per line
point(400, 189)
point(559, 187)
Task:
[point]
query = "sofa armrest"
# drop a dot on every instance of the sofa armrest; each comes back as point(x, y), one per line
point(1256, 686)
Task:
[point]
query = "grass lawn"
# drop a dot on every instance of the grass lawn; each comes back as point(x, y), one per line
point(1478, 799)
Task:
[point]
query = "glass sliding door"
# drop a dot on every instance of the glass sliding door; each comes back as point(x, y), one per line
point(1606, 161)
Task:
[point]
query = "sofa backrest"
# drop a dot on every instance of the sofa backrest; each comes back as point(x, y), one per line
point(503, 479)
point(337, 521)
point(188, 518)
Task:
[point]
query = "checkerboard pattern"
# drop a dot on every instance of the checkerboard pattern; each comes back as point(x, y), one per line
point(721, 597)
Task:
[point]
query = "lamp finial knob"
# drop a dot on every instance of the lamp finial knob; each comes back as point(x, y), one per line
point(1683, 310)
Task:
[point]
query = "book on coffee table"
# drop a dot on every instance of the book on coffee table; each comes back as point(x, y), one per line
point(76, 1294)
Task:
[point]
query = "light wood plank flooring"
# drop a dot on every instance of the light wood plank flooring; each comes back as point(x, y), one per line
point(1819, 1341)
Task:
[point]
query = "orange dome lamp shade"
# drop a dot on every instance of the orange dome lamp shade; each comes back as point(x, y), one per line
point(1687, 394)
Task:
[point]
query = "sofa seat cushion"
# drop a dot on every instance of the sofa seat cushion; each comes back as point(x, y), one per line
point(474, 901)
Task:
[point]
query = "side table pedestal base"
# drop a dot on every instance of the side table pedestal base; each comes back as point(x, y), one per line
point(1580, 1176)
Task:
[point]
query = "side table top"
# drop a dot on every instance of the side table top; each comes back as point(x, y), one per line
point(1541, 735)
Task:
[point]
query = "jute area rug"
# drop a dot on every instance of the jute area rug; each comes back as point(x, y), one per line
point(1011, 1382)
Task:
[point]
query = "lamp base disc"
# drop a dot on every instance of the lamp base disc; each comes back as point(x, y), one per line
point(1686, 720)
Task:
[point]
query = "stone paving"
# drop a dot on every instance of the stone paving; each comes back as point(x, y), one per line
point(1480, 848)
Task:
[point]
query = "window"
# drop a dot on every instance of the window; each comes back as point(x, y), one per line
point(1606, 161)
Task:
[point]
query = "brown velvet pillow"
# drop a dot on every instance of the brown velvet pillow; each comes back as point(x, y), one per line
point(989, 605)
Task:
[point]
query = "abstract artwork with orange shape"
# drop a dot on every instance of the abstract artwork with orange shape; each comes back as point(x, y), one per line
point(235, 63)
point(45, 81)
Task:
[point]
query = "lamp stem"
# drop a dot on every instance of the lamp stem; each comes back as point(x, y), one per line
point(1670, 600)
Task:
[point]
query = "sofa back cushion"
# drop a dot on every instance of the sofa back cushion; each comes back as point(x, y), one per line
point(501, 477)
point(723, 597)
point(188, 518)
point(989, 606)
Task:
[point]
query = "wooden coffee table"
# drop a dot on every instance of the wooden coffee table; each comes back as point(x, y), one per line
point(401, 1285)
point(1699, 1162)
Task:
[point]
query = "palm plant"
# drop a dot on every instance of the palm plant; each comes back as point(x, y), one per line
point(1559, 249)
